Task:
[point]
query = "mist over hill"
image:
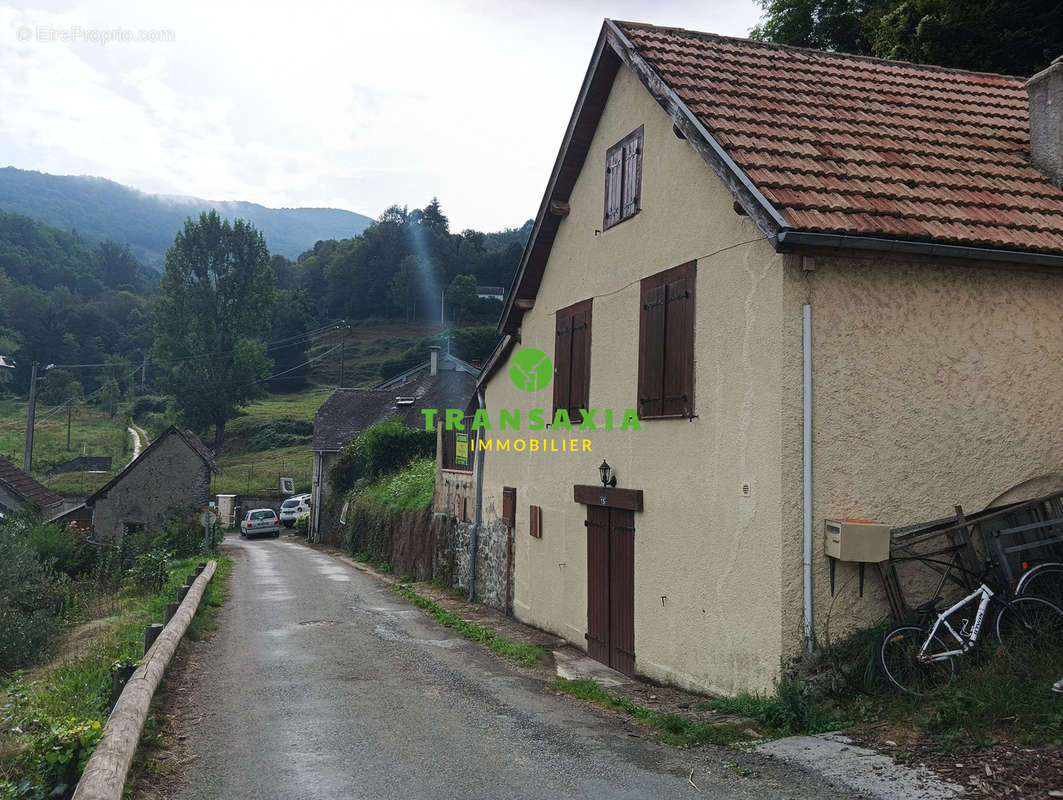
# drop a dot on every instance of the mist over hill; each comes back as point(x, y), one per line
point(100, 209)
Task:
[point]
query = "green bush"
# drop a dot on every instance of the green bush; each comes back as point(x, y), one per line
point(29, 602)
point(379, 450)
point(284, 432)
point(302, 524)
point(150, 571)
point(64, 549)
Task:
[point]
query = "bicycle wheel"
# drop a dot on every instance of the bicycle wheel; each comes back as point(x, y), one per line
point(898, 656)
point(1029, 624)
point(1044, 581)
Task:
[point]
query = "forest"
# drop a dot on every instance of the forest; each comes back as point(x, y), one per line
point(89, 309)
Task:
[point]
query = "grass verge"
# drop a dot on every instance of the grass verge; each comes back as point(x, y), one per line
point(671, 728)
point(525, 654)
point(51, 719)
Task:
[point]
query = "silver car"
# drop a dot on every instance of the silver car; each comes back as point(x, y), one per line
point(293, 508)
point(260, 522)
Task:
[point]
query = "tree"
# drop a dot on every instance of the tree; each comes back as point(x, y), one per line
point(289, 329)
point(58, 386)
point(217, 293)
point(110, 396)
point(1016, 37)
point(461, 297)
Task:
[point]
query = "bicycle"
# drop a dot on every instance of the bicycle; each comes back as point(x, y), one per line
point(1043, 580)
point(916, 658)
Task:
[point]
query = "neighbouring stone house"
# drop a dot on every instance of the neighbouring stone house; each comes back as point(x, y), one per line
point(443, 381)
point(20, 492)
point(173, 472)
point(829, 285)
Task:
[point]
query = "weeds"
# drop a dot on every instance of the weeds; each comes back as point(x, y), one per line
point(526, 654)
point(671, 729)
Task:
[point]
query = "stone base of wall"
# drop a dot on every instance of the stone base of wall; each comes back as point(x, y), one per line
point(430, 546)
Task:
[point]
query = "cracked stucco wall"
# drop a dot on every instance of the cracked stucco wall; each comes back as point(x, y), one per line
point(707, 559)
point(934, 384)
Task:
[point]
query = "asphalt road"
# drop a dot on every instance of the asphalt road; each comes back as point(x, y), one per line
point(321, 682)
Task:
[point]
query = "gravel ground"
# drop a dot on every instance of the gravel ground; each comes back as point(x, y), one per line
point(320, 682)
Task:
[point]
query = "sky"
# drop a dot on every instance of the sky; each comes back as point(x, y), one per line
point(348, 105)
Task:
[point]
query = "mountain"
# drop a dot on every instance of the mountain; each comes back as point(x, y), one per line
point(99, 209)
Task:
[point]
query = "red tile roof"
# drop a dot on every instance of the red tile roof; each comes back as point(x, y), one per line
point(26, 486)
point(853, 145)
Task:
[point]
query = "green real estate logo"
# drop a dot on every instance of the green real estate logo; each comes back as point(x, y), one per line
point(531, 370)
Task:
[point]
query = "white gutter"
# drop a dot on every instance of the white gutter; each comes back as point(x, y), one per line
point(806, 354)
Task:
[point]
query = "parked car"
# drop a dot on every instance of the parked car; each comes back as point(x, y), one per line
point(260, 522)
point(293, 508)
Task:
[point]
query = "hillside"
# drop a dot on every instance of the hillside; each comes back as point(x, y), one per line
point(99, 209)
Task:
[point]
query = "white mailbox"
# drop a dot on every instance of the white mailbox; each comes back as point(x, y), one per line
point(856, 541)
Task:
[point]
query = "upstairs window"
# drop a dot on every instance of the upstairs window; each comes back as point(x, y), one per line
point(572, 359)
point(623, 178)
point(666, 344)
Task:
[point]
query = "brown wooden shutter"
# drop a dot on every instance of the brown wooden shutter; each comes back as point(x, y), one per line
point(562, 359)
point(535, 521)
point(579, 383)
point(509, 506)
point(651, 348)
point(632, 189)
point(614, 162)
point(678, 396)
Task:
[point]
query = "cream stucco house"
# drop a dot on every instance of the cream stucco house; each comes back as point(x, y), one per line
point(830, 286)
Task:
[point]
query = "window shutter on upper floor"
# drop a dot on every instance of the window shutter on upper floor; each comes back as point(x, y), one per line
point(572, 358)
point(632, 190)
point(614, 179)
point(666, 343)
point(678, 396)
point(651, 348)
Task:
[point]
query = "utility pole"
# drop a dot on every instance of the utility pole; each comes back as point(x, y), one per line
point(31, 412)
point(69, 408)
point(343, 356)
point(442, 315)
point(143, 372)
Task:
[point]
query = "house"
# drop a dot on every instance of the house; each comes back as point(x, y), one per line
point(443, 381)
point(20, 492)
point(828, 285)
point(490, 293)
point(173, 472)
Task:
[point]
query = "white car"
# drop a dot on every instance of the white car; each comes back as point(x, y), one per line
point(260, 522)
point(293, 508)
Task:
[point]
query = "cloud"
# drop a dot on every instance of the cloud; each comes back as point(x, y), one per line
point(356, 106)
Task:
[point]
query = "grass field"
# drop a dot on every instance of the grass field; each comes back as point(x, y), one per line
point(92, 433)
point(367, 346)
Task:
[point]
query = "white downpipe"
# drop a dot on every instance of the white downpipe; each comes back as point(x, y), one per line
point(806, 349)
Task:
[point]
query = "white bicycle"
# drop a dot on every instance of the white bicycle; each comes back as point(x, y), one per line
point(916, 658)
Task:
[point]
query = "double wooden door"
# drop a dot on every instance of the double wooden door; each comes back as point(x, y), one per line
point(611, 587)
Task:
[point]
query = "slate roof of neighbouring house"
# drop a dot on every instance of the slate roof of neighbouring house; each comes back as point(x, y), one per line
point(849, 144)
point(194, 444)
point(824, 149)
point(347, 412)
point(26, 486)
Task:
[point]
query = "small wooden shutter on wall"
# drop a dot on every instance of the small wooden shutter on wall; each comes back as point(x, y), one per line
point(509, 506)
point(535, 521)
point(562, 359)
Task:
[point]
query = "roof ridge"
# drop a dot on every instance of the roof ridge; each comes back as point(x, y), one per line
point(812, 50)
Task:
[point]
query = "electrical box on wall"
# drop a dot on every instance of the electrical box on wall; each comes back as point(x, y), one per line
point(856, 541)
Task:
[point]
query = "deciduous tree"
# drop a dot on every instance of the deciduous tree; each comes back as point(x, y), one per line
point(216, 302)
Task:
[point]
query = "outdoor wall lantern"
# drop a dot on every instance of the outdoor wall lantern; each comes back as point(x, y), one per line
point(608, 479)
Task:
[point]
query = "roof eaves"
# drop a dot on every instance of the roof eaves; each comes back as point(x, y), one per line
point(604, 57)
point(494, 361)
